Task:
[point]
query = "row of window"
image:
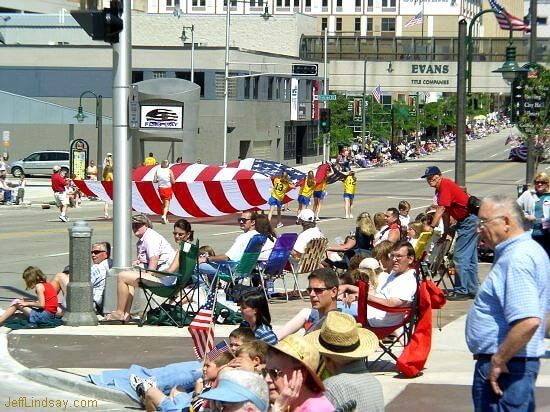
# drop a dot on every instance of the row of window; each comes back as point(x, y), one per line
point(296, 3)
point(387, 24)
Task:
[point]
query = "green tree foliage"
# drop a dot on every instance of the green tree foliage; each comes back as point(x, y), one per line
point(537, 89)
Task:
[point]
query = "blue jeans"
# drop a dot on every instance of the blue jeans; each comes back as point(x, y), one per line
point(518, 387)
point(465, 256)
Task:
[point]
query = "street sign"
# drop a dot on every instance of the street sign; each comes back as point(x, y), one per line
point(6, 136)
point(133, 108)
point(326, 97)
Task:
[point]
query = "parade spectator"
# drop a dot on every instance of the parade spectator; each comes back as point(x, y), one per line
point(344, 348)
point(164, 177)
point(6, 189)
point(536, 206)
point(150, 160)
point(59, 183)
point(43, 308)
point(369, 270)
point(392, 231)
point(396, 289)
point(239, 391)
point(101, 259)
point(91, 171)
point(306, 191)
point(73, 193)
point(250, 356)
point(255, 311)
point(153, 252)
point(291, 376)
point(361, 242)
point(413, 233)
point(349, 193)
point(281, 185)
point(404, 208)
point(379, 220)
point(239, 337)
point(107, 176)
point(20, 198)
point(3, 171)
point(506, 322)
point(208, 265)
point(323, 292)
point(452, 201)
point(309, 231)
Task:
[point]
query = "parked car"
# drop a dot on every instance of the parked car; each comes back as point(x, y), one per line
point(41, 163)
point(519, 153)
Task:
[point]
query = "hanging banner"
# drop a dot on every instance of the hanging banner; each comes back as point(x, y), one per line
point(315, 105)
point(79, 159)
point(293, 99)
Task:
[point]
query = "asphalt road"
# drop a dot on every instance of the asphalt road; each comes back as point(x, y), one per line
point(32, 236)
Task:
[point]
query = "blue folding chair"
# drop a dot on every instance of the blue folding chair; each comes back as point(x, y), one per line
point(273, 267)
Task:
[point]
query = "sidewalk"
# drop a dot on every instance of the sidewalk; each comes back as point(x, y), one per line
point(62, 356)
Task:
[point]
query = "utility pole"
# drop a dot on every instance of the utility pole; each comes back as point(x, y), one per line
point(530, 167)
point(326, 136)
point(364, 109)
point(417, 110)
point(460, 147)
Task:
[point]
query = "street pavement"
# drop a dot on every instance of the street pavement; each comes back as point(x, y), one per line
point(60, 357)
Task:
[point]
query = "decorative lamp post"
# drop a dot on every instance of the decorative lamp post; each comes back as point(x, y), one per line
point(183, 38)
point(80, 116)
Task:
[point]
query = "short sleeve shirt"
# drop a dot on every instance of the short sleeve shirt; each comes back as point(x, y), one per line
point(306, 189)
point(453, 198)
point(349, 185)
point(154, 244)
point(304, 238)
point(279, 189)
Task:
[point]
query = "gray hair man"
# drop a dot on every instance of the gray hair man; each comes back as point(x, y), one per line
point(505, 325)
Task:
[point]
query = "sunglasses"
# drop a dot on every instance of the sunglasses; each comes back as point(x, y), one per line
point(243, 219)
point(273, 373)
point(97, 252)
point(540, 182)
point(317, 291)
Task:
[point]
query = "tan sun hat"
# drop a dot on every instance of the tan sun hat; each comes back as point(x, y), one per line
point(304, 352)
point(341, 336)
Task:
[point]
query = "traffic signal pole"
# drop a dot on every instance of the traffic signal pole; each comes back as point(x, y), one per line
point(530, 167)
point(326, 136)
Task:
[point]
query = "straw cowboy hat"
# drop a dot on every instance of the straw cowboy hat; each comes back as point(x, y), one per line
point(340, 336)
point(304, 352)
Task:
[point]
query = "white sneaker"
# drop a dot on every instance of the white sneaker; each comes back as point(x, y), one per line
point(63, 218)
point(279, 225)
point(141, 385)
point(350, 216)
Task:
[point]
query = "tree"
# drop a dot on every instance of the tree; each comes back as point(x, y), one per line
point(340, 120)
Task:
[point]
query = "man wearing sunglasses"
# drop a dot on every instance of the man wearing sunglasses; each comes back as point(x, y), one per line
point(101, 253)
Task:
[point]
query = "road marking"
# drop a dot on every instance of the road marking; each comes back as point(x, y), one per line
point(56, 254)
point(226, 233)
point(421, 207)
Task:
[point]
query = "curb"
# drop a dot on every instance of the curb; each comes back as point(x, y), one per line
point(75, 384)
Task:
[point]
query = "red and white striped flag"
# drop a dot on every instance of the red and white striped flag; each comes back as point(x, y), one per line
point(201, 328)
point(517, 23)
point(377, 93)
point(415, 20)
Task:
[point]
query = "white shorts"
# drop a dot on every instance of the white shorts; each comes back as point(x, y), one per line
point(61, 199)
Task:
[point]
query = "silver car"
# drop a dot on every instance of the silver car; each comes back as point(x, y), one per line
point(41, 163)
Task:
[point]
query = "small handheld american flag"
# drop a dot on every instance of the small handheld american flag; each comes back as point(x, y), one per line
point(201, 328)
point(218, 350)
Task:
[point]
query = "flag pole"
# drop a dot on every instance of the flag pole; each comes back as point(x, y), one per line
point(423, 21)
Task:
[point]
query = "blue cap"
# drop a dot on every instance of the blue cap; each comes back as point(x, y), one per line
point(431, 171)
point(229, 391)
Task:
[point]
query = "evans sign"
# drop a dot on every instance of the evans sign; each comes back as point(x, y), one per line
point(429, 68)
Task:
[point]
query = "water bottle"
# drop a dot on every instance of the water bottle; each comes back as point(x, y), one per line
point(270, 286)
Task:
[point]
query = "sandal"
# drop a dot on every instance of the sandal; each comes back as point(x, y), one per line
point(110, 319)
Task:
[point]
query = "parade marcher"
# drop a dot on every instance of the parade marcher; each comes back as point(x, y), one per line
point(349, 193)
point(281, 185)
point(164, 176)
point(107, 176)
point(305, 193)
point(59, 184)
point(452, 201)
point(506, 322)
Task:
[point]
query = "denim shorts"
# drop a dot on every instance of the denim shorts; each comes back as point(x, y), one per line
point(303, 200)
point(349, 195)
point(319, 194)
point(40, 315)
point(274, 202)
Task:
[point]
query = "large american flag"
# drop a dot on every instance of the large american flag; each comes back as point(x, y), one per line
point(415, 20)
point(269, 168)
point(377, 93)
point(201, 328)
point(517, 24)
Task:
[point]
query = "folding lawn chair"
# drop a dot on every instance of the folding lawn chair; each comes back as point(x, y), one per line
point(440, 266)
point(274, 266)
point(404, 329)
point(310, 260)
point(172, 286)
point(232, 272)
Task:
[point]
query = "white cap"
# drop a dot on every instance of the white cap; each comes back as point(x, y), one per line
point(109, 154)
point(369, 263)
point(307, 215)
point(56, 168)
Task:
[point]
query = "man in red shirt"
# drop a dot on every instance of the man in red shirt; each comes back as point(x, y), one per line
point(452, 201)
point(59, 184)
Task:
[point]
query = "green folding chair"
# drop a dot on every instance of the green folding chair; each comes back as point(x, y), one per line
point(171, 287)
point(233, 272)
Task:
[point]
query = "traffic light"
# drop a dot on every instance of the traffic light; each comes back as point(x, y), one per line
point(304, 69)
point(324, 120)
point(518, 100)
point(103, 24)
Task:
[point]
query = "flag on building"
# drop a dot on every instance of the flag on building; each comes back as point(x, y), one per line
point(377, 93)
point(517, 24)
point(201, 328)
point(217, 351)
point(415, 20)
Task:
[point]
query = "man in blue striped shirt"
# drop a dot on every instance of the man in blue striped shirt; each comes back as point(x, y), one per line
point(505, 325)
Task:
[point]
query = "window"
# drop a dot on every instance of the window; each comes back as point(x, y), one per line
point(231, 87)
point(277, 89)
point(542, 20)
point(388, 3)
point(279, 3)
point(388, 24)
point(338, 3)
point(323, 24)
point(256, 81)
point(233, 3)
point(252, 3)
point(199, 3)
point(270, 88)
point(338, 24)
point(296, 3)
point(308, 3)
point(198, 78)
point(325, 3)
point(159, 75)
point(357, 4)
point(247, 87)
point(369, 4)
point(358, 24)
point(369, 23)
point(137, 76)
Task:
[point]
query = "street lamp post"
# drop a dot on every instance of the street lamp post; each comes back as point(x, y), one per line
point(183, 38)
point(509, 70)
point(80, 116)
point(265, 15)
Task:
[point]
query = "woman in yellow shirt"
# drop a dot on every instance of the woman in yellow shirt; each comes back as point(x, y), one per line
point(281, 185)
point(107, 177)
point(349, 192)
point(305, 192)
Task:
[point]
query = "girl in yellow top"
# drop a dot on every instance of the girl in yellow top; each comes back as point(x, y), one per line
point(281, 185)
point(305, 192)
point(349, 192)
point(107, 177)
point(319, 193)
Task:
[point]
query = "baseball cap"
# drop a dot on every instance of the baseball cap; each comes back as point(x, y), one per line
point(109, 154)
point(56, 168)
point(307, 215)
point(237, 385)
point(369, 263)
point(430, 171)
